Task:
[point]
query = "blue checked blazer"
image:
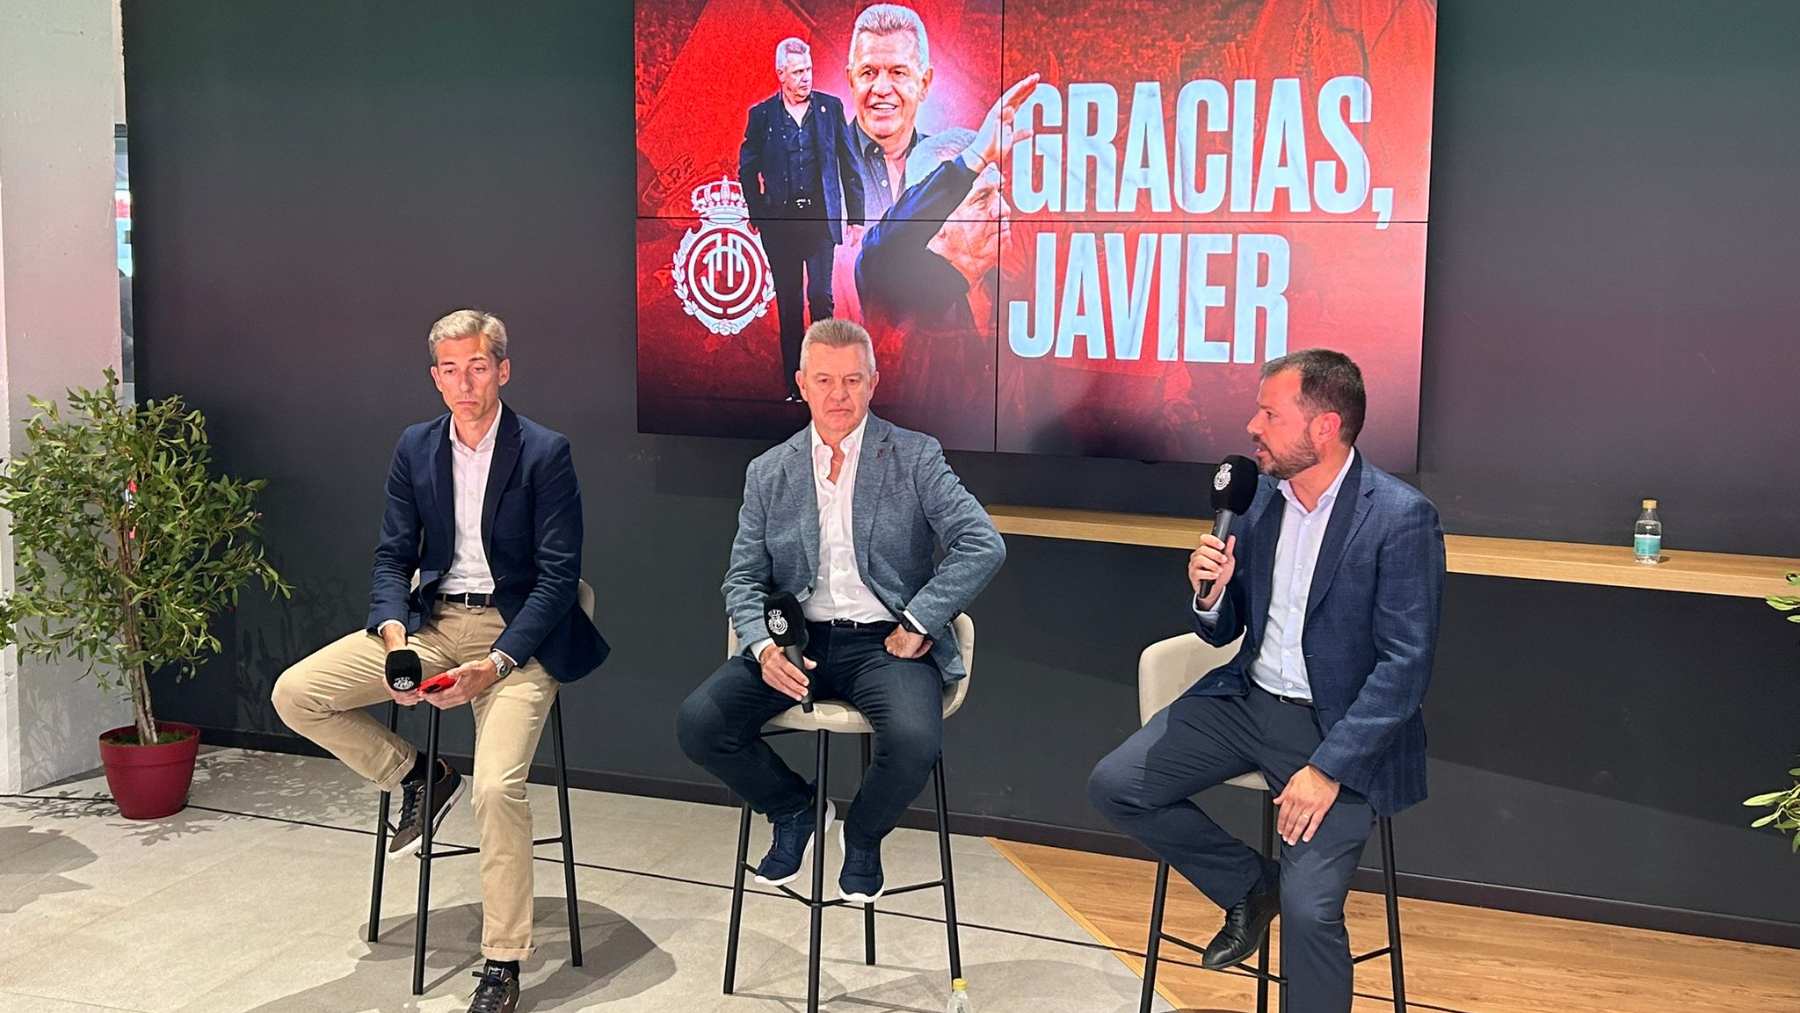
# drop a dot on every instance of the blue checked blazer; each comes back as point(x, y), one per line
point(1370, 630)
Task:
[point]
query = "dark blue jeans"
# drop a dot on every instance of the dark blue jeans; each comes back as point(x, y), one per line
point(721, 722)
point(1144, 787)
point(800, 253)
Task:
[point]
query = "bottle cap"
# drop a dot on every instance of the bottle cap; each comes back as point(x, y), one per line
point(1649, 504)
point(959, 985)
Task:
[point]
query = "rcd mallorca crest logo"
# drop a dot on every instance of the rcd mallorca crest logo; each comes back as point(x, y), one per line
point(777, 622)
point(1222, 477)
point(721, 274)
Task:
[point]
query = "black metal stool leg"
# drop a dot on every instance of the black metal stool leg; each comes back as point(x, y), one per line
point(868, 757)
point(1153, 948)
point(1392, 885)
point(737, 900)
point(426, 823)
point(381, 842)
point(568, 840)
point(818, 876)
point(949, 872)
point(1262, 954)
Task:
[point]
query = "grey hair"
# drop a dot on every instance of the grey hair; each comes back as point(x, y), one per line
point(1329, 382)
point(787, 47)
point(470, 324)
point(934, 150)
point(887, 19)
point(833, 332)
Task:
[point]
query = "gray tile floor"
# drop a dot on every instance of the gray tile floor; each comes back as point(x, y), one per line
point(256, 898)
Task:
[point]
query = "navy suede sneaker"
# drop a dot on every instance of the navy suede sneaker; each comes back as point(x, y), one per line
point(794, 837)
point(860, 882)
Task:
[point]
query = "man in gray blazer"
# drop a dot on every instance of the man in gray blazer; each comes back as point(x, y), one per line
point(847, 515)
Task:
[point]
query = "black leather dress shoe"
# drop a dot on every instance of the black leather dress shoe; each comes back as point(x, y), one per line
point(1246, 924)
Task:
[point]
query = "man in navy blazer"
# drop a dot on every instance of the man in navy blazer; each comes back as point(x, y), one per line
point(798, 172)
point(1334, 588)
point(484, 509)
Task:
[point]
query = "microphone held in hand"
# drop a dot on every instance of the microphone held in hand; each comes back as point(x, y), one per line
point(1233, 488)
point(787, 627)
point(404, 670)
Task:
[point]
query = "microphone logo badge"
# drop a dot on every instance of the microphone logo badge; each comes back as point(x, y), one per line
point(720, 271)
point(1222, 477)
point(778, 624)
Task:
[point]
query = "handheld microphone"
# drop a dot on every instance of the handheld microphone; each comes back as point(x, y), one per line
point(1234, 487)
point(403, 670)
point(787, 627)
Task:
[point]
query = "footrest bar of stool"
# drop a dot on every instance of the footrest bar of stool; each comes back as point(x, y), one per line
point(897, 891)
point(1372, 954)
point(1184, 944)
point(455, 852)
point(547, 840)
point(792, 894)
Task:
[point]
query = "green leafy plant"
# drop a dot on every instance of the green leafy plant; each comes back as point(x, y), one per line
point(1783, 806)
point(128, 545)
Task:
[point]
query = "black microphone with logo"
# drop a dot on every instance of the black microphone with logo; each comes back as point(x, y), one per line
point(1234, 487)
point(787, 627)
point(403, 670)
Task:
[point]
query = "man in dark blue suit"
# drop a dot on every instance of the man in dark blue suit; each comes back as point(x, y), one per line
point(1335, 588)
point(798, 172)
point(483, 507)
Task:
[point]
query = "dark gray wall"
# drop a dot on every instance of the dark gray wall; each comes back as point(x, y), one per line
point(1609, 315)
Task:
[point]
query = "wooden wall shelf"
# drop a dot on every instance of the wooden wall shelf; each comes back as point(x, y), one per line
point(1569, 562)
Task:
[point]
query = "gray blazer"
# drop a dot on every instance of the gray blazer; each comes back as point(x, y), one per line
point(907, 506)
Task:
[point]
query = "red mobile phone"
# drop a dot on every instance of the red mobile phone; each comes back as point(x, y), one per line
point(440, 681)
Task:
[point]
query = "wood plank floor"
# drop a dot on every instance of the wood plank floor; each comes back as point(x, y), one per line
point(1457, 958)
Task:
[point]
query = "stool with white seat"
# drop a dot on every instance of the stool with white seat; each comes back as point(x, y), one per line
point(1166, 669)
point(830, 717)
point(584, 597)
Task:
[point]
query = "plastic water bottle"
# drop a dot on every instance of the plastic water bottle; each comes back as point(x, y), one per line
point(959, 997)
point(1646, 544)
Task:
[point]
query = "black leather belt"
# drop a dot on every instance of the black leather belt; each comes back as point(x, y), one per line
point(851, 624)
point(1291, 700)
point(469, 599)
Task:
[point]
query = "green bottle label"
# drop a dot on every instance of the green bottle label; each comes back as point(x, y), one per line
point(1647, 546)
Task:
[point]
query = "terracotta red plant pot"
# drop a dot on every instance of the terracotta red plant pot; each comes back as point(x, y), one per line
point(150, 782)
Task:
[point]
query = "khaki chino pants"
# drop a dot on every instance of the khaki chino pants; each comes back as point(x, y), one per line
point(322, 696)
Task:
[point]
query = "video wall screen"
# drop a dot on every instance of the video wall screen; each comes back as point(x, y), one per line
point(1072, 227)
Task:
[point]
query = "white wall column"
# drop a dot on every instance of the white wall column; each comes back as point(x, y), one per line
point(59, 313)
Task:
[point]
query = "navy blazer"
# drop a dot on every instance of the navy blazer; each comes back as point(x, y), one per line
point(530, 530)
point(898, 278)
point(762, 165)
point(1370, 630)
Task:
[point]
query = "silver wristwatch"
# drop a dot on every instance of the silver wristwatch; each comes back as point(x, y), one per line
point(503, 665)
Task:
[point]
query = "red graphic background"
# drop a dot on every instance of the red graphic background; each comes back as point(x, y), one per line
point(701, 64)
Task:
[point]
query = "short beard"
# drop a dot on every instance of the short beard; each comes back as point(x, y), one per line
point(1283, 467)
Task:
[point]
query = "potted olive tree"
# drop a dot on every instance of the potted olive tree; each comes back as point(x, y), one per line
point(127, 547)
point(1783, 806)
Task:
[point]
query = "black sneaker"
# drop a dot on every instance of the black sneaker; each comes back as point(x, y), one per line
point(498, 991)
point(794, 837)
point(408, 834)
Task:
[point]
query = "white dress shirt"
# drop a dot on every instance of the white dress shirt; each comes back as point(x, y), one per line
point(1280, 665)
point(469, 468)
point(838, 590)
